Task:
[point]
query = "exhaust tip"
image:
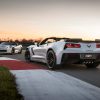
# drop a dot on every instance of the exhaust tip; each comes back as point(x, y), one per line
point(88, 62)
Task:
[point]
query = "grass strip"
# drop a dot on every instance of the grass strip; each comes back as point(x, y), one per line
point(8, 87)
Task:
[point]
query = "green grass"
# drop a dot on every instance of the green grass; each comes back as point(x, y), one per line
point(8, 90)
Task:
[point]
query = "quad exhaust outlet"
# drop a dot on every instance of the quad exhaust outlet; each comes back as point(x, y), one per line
point(88, 62)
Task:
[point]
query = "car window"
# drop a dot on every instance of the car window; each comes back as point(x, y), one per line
point(47, 41)
point(50, 41)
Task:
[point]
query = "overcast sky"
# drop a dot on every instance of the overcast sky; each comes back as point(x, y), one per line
point(43, 18)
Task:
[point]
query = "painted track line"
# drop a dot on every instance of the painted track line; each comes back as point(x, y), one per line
point(6, 58)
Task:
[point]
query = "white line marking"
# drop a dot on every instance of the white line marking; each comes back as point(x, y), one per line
point(6, 58)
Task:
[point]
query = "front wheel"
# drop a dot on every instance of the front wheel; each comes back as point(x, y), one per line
point(94, 65)
point(51, 59)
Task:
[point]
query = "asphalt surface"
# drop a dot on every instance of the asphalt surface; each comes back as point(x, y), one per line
point(43, 84)
point(91, 76)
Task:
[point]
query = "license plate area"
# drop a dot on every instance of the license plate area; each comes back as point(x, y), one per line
point(88, 56)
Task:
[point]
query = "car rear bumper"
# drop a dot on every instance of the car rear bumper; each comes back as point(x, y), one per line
point(80, 57)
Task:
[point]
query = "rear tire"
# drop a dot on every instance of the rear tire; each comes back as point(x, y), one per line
point(51, 60)
point(20, 51)
point(27, 55)
point(13, 51)
point(94, 65)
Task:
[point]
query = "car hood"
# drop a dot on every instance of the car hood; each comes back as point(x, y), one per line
point(4, 46)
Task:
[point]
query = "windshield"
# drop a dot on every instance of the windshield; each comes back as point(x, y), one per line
point(8, 43)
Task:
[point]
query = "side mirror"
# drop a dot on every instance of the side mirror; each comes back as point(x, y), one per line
point(17, 44)
point(36, 44)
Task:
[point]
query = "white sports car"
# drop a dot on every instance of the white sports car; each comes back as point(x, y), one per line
point(56, 51)
point(10, 47)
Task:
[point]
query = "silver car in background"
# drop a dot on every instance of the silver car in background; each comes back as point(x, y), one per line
point(10, 47)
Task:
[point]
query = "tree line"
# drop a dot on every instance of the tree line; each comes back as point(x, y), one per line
point(24, 42)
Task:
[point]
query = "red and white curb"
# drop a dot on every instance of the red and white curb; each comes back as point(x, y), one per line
point(43, 84)
point(14, 64)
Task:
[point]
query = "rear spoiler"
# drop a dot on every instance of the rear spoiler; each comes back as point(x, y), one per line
point(73, 40)
point(97, 40)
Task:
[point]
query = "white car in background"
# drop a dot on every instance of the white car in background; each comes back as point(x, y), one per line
point(56, 51)
point(10, 47)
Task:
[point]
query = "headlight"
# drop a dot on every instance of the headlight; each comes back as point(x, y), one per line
point(7, 47)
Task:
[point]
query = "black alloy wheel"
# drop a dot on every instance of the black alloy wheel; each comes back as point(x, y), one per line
point(13, 51)
point(27, 55)
point(51, 59)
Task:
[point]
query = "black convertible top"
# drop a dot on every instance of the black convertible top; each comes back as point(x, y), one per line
point(73, 40)
point(66, 39)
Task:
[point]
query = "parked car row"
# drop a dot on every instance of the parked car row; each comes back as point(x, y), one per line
point(57, 51)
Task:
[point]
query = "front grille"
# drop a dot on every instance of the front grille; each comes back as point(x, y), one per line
point(3, 50)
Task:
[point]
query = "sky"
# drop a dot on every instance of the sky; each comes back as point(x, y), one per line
point(33, 19)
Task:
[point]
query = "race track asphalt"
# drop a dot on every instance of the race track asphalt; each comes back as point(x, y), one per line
point(36, 82)
point(91, 76)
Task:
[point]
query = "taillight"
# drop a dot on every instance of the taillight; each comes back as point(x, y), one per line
point(72, 45)
point(97, 45)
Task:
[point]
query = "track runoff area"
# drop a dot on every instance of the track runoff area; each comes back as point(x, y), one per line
point(35, 82)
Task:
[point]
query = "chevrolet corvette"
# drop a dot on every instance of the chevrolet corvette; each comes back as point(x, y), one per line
point(57, 51)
